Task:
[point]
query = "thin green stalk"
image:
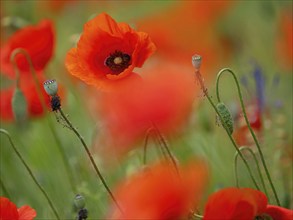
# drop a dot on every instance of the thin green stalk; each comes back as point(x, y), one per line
point(146, 140)
point(257, 165)
point(205, 91)
point(30, 172)
point(90, 157)
point(5, 192)
point(165, 146)
point(248, 125)
point(42, 99)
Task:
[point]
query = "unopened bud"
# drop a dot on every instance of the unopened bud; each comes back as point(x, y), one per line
point(226, 116)
point(79, 201)
point(19, 105)
point(196, 61)
point(51, 87)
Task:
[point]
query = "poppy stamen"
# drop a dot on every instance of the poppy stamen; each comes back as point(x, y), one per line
point(118, 62)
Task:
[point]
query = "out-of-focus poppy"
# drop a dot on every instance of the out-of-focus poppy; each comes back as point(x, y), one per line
point(108, 52)
point(279, 213)
point(244, 203)
point(9, 211)
point(159, 193)
point(163, 97)
point(234, 203)
point(37, 40)
point(187, 27)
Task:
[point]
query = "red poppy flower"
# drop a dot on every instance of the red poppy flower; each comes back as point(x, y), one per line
point(164, 97)
point(107, 52)
point(245, 203)
point(159, 193)
point(38, 41)
point(9, 211)
point(234, 203)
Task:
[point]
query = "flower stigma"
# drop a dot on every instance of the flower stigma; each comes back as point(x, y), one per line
point(118, 62)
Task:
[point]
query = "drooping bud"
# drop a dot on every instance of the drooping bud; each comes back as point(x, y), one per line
point(226, 115)
point(51, 87)
point(19, 105)
point(79, 201)
point(196, 61)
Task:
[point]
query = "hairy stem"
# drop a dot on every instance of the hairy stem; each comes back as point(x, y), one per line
point(43, 103)
point(205, 91)
point(90, 157)
point(257, 165)
point(248, 125)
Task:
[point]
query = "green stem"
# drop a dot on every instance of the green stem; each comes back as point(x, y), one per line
point(257, 164)
point(165, 146)
point(43, 103)
point(248, 125)
point(90, 157)
point(30, 172)
point(147, 136)
point(205, 91)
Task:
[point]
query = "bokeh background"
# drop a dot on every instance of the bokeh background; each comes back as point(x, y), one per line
point(250, 37)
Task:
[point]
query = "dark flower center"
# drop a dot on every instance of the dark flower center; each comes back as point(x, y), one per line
point(118, 62)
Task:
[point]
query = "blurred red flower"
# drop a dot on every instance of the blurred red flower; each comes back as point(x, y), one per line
point(159, 193)
point(285, 40)
point(241, 132)
point(37, 40)
point(9, 211)
point(188, 27)
point(108, 52)
point(164, 97)
point(279, 213)
point(245, 203)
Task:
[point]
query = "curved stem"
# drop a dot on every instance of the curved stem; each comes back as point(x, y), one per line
point(205, 91)
point(30, 172)
point(90, 157)
point(148, 133)
point(248, 125)
point(257, 165)
point(43, 104)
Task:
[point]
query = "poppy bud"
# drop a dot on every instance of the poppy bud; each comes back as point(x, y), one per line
point(51, 87)
point(226, 115)
point(79, 201)
point(19, 105)
point(196, 61)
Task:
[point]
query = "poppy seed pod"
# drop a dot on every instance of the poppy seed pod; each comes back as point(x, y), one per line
point(196, 61)
point(79, 201)
point(226, 115)
point(51, 87)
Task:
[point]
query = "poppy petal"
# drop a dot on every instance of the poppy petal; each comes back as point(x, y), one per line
point(37, 40)
point(26, 213)
point(8, 209)
point(279, 213)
